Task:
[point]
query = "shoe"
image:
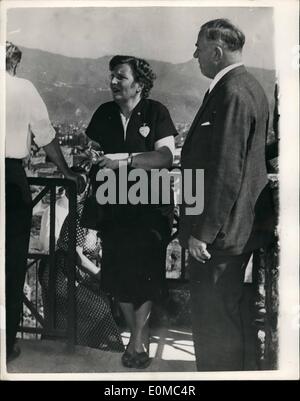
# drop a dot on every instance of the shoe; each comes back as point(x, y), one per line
point(128, 359)
point(16, 351)
point(141, 360)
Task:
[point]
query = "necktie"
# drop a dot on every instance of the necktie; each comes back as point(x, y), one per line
point(198, 114)
point(205, 96)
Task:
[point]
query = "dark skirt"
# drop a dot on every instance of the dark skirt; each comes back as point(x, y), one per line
point(134, 257)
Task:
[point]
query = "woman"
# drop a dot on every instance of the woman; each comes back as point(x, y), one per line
point(96, 327)
point(136, 132)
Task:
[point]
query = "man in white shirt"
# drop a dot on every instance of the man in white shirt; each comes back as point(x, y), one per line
point(26, 114)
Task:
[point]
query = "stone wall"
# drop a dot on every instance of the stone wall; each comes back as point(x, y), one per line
point(266, 274)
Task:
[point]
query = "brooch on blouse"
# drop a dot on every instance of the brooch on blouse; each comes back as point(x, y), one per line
point(144, 130)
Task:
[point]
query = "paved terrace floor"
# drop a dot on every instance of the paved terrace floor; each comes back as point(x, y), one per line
point(171, 349)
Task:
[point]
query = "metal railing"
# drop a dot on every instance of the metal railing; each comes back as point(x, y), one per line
point(48, 326)
point(265, 266)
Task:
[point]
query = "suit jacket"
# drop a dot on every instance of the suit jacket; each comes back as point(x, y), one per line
point(227, 140)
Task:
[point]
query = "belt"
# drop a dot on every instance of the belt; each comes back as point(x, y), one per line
point(11, 160)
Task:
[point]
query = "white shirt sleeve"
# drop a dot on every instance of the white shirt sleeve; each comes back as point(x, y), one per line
point(168, 141)
point(39, 123)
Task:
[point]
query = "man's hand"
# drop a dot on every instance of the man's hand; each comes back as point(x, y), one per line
point(78, 179)
point(198, 249)
point(53, 151)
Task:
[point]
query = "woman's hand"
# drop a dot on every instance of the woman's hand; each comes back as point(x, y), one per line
point(106, 162)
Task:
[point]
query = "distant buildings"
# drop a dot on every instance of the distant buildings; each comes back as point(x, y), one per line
point(71, 134)
point(74, 142)
point(182, 129)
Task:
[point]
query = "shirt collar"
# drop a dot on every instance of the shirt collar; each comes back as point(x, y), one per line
point(221, 74)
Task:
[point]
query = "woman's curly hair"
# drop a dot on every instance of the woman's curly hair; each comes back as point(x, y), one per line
point(13, 56)
point(141, 70)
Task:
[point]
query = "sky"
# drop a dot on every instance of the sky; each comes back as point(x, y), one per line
point(159, 33)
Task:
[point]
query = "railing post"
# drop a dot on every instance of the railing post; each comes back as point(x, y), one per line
point(183, 262)
point(52, 270)
point(49, 324)
point(71, 268)
point(266, 271)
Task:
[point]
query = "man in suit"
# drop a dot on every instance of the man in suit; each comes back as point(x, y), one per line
point(227, 140)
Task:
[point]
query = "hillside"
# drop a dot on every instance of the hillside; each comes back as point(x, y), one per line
point(73, 87)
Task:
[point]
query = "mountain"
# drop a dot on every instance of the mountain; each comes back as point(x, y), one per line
point(72, 88)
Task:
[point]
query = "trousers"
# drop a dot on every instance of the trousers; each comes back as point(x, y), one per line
point(219, 320)
point(18, 212)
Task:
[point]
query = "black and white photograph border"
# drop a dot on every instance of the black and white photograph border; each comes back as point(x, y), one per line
point(272, 50)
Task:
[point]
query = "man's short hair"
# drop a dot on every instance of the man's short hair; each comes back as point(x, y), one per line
point(223, 30)
point(13, 56)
